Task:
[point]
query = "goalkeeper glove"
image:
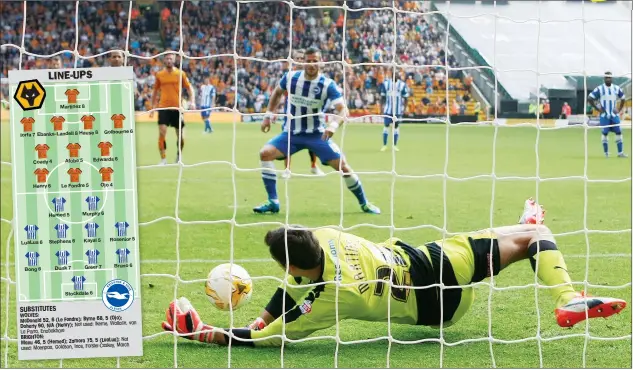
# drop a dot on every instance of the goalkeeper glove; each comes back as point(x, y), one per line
point(533, 213)
point(182, 316)
point(257, 325)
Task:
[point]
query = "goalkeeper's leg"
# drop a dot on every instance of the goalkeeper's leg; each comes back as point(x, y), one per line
point(536, 243)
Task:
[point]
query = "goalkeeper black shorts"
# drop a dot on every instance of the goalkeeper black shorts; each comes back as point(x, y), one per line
point(464, 259)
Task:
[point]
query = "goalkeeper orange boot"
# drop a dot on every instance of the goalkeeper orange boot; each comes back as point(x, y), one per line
point(533, 213)
point(582, 307)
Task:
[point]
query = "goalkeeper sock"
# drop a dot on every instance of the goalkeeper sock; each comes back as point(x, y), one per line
point(396, 134)
point(618, 142)
point(385, 135)
point(552, 270)
point(162, 146)
point(354, 185)
point(605, 144)
point(270, 180)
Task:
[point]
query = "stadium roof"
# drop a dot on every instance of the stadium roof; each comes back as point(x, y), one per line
point(558, 38)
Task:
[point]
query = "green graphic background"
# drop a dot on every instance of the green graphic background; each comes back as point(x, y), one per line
point(118, 202)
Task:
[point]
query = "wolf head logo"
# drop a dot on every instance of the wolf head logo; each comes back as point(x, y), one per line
point(30, 93)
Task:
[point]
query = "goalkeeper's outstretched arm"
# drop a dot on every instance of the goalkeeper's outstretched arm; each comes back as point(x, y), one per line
point(315, 311)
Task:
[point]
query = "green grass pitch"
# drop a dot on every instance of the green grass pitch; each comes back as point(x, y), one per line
point(213, 192)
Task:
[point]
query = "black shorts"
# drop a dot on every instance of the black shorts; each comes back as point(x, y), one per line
point(425, 272)
point(171, 118)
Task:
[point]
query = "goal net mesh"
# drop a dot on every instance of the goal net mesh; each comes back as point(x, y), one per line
point(81, 44)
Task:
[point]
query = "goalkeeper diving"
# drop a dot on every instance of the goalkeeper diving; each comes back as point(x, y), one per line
point(324, 256)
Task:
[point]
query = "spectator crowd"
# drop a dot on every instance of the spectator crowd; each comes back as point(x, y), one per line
point(209, 41)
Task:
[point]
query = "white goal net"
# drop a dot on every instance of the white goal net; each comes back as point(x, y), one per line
point(358, 36)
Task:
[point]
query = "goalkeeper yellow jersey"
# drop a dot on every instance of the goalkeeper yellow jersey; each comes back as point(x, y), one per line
point(356, 264)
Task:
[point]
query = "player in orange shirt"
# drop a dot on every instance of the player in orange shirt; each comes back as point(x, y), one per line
point(168, 88)
point(27, 122)
point(88, 120)
point(74, 174)
point(106, 172)
point(73, 150)
point(105, 148)
point(41, 150)
point(57, 122)
point(41, 174)
point(72, 95)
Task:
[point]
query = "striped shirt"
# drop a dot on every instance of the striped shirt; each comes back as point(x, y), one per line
point(394, 95)
point(32, 258)
point(61, 230)
point(58, 203)
point(608, 97)
point(307, 97)
point(62, 257)
point(78, 282)
point(207, 96)
point(31, 231)
point(91, 228)
point(121, 228)
point(93, 202)
point(122, 253)
point(93, 256)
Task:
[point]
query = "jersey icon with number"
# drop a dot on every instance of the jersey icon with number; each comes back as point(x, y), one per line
point(42, 150)
point(72, 95)
point(106, 174)
point(117, 120)
point(41, 174)
point(73, 150)
point(57, 122)
point(88, 120)
point(105, 148)
point(27, 123)
point(74, 174)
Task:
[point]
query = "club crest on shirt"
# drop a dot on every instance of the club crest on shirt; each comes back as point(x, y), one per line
point(306, 307)
point(316, 90)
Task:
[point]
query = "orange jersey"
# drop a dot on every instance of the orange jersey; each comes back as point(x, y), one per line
point(41, 150)
point(167, 83)
point(27, 122)
point(73, 150)
point(117, 120)
point(88, 120)
point(106, 172)
point(57, 122)
point(41, 174)
point(72, 95)
point(74, 174)
point(105, 148)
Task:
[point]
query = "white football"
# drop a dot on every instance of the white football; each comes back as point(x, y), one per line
point(229, 286)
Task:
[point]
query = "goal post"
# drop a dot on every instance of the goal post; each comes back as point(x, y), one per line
point(300, 14)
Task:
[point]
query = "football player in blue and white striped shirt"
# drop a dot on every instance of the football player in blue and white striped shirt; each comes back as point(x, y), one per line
point(394, 102)
point(207, 101)
point(308, 91)
point(608, 94)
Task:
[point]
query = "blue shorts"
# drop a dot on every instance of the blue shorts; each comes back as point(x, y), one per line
point(325, 150)
point(388, 120)
point(606, 121)
point(205, 113)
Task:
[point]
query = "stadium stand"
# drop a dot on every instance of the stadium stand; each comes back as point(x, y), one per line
point(208, 29)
